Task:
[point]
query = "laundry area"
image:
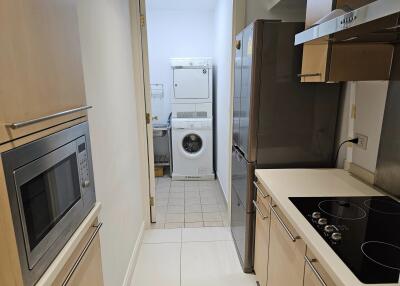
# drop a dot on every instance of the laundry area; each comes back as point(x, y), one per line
point(190, 77)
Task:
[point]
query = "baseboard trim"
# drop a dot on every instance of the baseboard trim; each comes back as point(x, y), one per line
point(134, 257)
point(223, 193)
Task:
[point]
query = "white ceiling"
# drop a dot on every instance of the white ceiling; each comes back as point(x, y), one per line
point(207, 5)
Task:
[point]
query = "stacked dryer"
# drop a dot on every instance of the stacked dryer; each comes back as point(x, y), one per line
point(192, 119)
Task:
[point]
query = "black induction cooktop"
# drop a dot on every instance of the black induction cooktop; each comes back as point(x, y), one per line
point(363, 231)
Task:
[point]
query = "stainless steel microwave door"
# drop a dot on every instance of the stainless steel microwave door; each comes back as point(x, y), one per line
point(51, 191)
point(47, 189)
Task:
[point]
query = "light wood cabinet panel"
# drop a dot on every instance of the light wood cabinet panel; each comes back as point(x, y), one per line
point(261, 241)
point(317, 276)
point(40, 64)
point(286, 257)
point(89, 270)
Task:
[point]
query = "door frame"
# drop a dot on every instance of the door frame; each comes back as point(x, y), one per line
point(142, 71)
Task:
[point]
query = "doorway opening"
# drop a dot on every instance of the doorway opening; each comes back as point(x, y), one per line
point(189, 48)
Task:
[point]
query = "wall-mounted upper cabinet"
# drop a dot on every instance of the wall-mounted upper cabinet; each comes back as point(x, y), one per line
point(41, 70)
point(342, 57)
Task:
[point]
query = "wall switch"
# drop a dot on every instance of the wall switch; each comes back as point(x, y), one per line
point(362, 141)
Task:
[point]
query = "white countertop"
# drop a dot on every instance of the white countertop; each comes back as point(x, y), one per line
point(284, 183)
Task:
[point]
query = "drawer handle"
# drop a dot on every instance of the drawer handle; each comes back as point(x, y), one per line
point(20, 124)
point(85, 249)
point(308, 74)
point(314, 270)
point(292, 237)
point(259, 190)
point(259, 211)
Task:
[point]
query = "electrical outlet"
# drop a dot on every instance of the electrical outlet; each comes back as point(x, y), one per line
point(362, 141)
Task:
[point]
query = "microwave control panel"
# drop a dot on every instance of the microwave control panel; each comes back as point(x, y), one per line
point(83, 164)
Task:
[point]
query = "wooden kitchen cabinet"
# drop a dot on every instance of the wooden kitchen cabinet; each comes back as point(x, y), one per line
point(89, 268)
point(40, 64)
point(286, 252)
point(263, 219)
point(330, 60)
point(314, 273)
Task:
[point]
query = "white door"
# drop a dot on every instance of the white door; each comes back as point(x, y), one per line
point(191, 83)
point(149, 127)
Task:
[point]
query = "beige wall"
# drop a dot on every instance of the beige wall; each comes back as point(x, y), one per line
point(369, 99)
point(114, 126)
point(223, 43)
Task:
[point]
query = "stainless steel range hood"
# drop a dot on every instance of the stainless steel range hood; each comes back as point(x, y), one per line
point(375, 22)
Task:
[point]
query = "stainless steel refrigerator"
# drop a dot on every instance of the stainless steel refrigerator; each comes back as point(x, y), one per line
point(278, 122)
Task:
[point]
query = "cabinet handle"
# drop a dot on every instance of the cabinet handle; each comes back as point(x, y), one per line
point(85, 249)
point(314, 270)
point(20, 124)
point(292, 237)
point(259, 211)
point(259, 190)
point(308, 74)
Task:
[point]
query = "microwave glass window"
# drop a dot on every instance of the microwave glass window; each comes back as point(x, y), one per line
point(48, 197)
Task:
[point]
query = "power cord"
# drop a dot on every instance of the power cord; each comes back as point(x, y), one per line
point(354, 141)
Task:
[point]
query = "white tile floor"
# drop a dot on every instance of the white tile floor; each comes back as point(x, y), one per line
point(189, 257)
point(181, 204)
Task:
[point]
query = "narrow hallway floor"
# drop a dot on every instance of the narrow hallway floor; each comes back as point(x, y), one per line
point(189, 257)
point(189, 204)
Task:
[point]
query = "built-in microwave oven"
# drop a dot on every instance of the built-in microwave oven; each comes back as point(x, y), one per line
point(51, 190)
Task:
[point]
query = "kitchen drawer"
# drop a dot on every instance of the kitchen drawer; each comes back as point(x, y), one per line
point(314, 273)
point(286, 252)
point(84, 267)
point(263, 220)
point(262, 194)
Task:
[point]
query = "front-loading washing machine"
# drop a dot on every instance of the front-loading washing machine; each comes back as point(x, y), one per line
point(192, 149)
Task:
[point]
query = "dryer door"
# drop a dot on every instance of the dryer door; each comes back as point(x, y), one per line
point(191, 83)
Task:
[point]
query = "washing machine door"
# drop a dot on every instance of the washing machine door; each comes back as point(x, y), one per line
point(192, 145)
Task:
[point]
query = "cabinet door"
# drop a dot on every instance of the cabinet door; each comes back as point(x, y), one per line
point(40, 64)
point(286, 253)
point(261, 242)
point(89, 271)
point(88, 265)
point(314, 273)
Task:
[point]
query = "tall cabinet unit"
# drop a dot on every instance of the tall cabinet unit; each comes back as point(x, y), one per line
point(42, 91)
point(40, 66)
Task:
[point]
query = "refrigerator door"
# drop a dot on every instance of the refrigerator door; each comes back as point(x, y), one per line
point(242, 210)
point(242, 228)
point(242, 178)
point(246, 89)
point(237, 88)
point(249, 94)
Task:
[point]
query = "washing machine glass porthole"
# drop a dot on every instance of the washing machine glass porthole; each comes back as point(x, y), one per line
point(192, 143)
